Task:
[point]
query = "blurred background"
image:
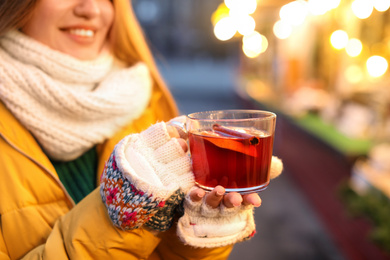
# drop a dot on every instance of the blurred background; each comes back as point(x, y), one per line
point(322, 67)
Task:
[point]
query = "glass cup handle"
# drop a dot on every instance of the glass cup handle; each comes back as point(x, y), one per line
point(180, 125)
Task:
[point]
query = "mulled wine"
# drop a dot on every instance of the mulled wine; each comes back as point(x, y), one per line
point(234, 157)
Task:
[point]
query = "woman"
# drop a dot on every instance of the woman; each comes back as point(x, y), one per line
point(74, 93)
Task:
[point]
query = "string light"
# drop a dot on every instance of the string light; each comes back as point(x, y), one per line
point(233, 18)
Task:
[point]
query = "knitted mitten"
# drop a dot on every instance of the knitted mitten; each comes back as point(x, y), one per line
point(203, 226)
point(146, 173)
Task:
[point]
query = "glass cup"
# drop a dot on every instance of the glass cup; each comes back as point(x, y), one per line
point(231, 148)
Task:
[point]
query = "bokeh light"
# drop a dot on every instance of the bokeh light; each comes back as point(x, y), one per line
point(339, 39)
point(294, 13)
point(319, 7)
point(282, 30)
point(221, 12)
point(362, 9)
point(242, 6)
point(225, 29)
point(254, 44)
point(376, 66)
point(333, 3)
point(354, 74)
point(354, 47)
point(245, 23)
point(381, 5)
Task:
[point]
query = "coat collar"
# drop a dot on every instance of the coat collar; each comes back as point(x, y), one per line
point(18, 137)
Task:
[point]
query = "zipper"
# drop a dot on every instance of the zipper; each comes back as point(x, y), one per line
point(70, 201)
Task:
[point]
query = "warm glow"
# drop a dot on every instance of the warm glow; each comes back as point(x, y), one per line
point(339, 39)
point(333, 3)
point(254, 44)
point(354, 47)
point(245, 23)
point(381, 5)
point(221, 12)
point(264, 43)
point(376, 66)
point(362, 9)
point(354, 74)
point(294, 13)
point(282, 30)
point(251, 44)
point(225, 29)
point(319, 7)
point(242, 6)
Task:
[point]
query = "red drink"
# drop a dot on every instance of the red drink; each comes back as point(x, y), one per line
point(234, 158)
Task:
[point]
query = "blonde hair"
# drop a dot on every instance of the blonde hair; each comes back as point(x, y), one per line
point(127, 38)
point(129, 44)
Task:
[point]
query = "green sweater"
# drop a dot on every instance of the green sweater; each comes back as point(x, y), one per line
point(78, 176)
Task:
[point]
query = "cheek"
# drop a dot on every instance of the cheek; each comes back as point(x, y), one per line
point(108, 13)
point(38, 26)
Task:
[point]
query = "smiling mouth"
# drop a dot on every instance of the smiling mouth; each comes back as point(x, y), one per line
point(82, 32)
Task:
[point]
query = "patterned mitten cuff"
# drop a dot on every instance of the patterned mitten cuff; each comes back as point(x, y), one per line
point(203, 226)
point(163, 219)
point(146, 173)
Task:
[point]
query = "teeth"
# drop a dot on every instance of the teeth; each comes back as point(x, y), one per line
point(82, 32)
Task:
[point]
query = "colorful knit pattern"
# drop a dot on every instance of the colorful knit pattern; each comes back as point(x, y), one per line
point(163, 220)
point(128, 207)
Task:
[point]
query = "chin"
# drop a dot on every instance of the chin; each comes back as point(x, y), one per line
point(82, 55)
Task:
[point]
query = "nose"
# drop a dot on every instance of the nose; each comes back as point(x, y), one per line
point(87, 9)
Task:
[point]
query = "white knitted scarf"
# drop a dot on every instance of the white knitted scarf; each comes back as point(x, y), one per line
point(69, 105)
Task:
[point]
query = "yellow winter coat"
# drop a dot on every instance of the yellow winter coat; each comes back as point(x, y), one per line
point(38, 218)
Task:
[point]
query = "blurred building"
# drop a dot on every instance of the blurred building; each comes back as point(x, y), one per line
point(182, 29)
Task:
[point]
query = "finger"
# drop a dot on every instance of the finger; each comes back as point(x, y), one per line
point(172, 131)
point(232, 199)
point(197, 195)
point(252, 199)
point(183, 144)
point(214, 197)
